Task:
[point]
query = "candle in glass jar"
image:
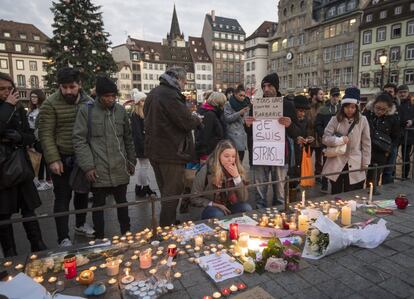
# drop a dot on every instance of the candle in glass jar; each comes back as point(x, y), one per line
point(346, 215)
point(371, 191)
point(333, 214)
point(278, 221)
point(292, 225)
point(112, 267)
point(244, 240)
point(172, 250)
point(198, 241)
point(264, 221)
point(303, 198)
point(234, 231)
point(69, 263)
point(145, 259)
point(223, 236)
point(303, 223)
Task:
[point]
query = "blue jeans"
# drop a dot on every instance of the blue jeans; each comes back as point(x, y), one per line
point(213, 212)
point(261, 175)
point(387, 175)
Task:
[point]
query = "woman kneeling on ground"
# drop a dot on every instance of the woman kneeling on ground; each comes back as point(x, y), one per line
point(222, 170)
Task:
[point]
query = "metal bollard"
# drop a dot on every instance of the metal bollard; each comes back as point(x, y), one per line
point(375, 183)
point(287, 194)
point(404, 154)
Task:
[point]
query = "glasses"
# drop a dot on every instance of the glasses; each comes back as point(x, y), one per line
point(380, 108)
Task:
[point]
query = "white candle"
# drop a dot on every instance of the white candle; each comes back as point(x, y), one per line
point(112, 268)
point(198, 241)
point(303, 198)
point(346, 215)
point(353, 205)
point(333, 214)
point(244, 240)
point(371, 191)
point(303, 223)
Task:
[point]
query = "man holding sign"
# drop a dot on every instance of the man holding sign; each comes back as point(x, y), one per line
point(272, 150)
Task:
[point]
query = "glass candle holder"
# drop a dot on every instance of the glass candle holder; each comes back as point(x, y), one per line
point(69, 263)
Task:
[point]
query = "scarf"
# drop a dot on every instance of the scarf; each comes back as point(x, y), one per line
point(237, 105)
point(171, 81)
point(207, 106)
point(226, 197)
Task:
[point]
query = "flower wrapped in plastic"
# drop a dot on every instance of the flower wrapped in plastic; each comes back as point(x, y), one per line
point(326, 237)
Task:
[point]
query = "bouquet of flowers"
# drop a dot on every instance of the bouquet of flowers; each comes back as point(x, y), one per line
point(276, 257)
point(326, 237)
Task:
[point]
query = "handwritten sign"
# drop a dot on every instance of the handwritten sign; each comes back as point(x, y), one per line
point(268, 142)
point(267, 108)
point(192, 231)
point(239, 220)
point(220, 267)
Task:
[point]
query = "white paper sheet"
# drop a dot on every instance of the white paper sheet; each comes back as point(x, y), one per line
point(191, 232)
point(220, 264)
point(239, 220)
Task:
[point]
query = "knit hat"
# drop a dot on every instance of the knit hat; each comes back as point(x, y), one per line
point(273, 79)
point(301, 102)
point(403, 88)
point(137, 95)
point(105, 85)
point(352, 96)
point(334, 91)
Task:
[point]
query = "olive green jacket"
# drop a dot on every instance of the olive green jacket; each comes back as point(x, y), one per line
point(111, 148)
point(55, 123)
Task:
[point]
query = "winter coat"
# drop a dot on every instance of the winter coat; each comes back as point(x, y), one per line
point(211, 132)
point(312, 115)
point(24, 194)
point(406, 112)
point(138, 134)
point(168, 125)
point(56, 121)
point(203, 181)
point(388, 124)
point(111, 148)
point(235, 127)
point(324, 116)
point(358, 149)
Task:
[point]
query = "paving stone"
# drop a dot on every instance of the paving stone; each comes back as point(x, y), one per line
point(402, 260)
point(290, 281)
point(313, 275)
point(375, 292)
point(367, 256)
point(182, 294)
point(272, 287)
point(355, 282)
point(355, 296)
point(196, 278)
point(397, 287)
point(333, 269)
point(402, 228)
point(185, 266)
point(312, 292)
point(395, 219)
point(407, 276)
point(349, 261)
point(371, 273)
point(394, 234)
point(254, 279)
point(335, 289)
point(383, 251)
point(390, 267)
point(407, 240)
point(396, 245)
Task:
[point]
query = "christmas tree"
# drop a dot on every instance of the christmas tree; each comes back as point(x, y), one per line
point(79, 41)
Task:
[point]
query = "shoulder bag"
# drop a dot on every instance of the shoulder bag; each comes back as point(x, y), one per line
point(339, 150)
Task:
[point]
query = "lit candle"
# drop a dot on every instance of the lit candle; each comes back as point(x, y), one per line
point(264, 221)
point(216, 295)
point(278, 221)
point(325, 208)
point(234, 231)
point(292, 225)
point(152, 271)
point(244, 240)
point(371, 191)
point(333, 214)
point(38, 279)
point(303, 198)
point(33, 257)
point(226, 292)
point(18, 267)
point(112, 267)
point(8, 263)
point(177, 275)
point(52, 279)
point(69, 263)
point(303, 223)
point(112, 281)
point(346, 215)
point(145, 260)
point(172, 250)
point(241, 286)
point(223, 236)
point(93, 268)
point(198, 241)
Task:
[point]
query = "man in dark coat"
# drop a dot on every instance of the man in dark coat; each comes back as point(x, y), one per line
point(15, 133)
point(169, 142)
point(406, 113)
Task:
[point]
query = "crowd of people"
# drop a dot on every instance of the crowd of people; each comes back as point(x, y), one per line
point(91, 145)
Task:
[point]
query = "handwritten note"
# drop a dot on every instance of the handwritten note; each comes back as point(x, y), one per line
point(192, 231)
point(220, 267)
point(268, 143)
point(239, 220)
point(267, 108)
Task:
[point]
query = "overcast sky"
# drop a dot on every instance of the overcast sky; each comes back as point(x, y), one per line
point(148, 19)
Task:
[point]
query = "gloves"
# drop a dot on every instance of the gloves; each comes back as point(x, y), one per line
point(13, 136)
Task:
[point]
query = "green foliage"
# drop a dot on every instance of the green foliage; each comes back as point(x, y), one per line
point(79, 40)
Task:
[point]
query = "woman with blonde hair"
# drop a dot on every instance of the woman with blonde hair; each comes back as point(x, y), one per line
point(222, 170)
point(212, 130)
point(142, 188)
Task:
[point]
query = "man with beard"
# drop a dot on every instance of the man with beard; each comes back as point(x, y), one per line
point(56, 120)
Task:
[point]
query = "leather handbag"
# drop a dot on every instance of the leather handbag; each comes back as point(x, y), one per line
point(381, 141)
point(339, 150)
point(16, 169)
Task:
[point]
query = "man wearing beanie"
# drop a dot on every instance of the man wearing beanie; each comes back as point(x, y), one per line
point(406, 114)
point(105, 151)
point(270, 87)
point(56, 120)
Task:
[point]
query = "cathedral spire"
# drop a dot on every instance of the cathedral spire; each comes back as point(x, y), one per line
point(175, 27)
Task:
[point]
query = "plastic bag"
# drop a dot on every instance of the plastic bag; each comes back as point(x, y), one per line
point(306, 168)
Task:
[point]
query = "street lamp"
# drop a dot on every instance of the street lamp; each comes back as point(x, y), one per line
point(383, 60)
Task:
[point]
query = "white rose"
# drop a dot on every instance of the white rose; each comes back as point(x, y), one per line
point(315, 248)
point(315, 232)
point(313, 238)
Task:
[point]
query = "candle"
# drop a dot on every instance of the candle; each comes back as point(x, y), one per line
point(223, 236)
point(234, 231)
point(241, 286)
point(33, 257)
point(152, 271)
point(333, 214)
point(371, 191)
point(233, 288)
point(278, 221)
point(303, 223)
point(93, 268)
point(69, 263)
point(264, 221)
point(86, 277)
point(244, 240)
point(326, 207)
point(112, 281)
point(292, 225)
point(198, 241)
point(216, 295)
point(145, 260)
point(38, 279)
point(207, 297)
point(112, 267)
point(346, 215)
point(8, 263)
point(303, 198)
point(18, 267)
point(177, 275)
point(226, 292)
point(52, 279)
point(353, 205)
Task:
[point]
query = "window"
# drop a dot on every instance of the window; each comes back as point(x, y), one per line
point(145, 65)
point(301, 39)
point(284, 43)
point(224, 56)
point(216, 34)
point(409, 77)
point(412, 6)
point(33, 65)
point(44, 66)
point(365, 78)
point(395, 54)
point(327, 54)
point(247, 66)
point(150, 66)
point(367, 37)
point(21, 81)
point(2, 46)
point(351, 4)
point(368, 18)
point(409, 52)
point(18, 47)
point(3, 64)
point(19, 64)
point(366, 58)
point(36, 37)
point(6, 34)
point(291, 41)
point(394, 76)
point(348, 75)
point(331, 12)
point(275, 46)
point(43, 50)
point(223, 46)
point(341, 8)
point(332, 31)
point(22, 36)
point(349, 50)
point(218, 55)
point(337, 77)
point(326, 77)
point(398, 10)
point(410, 28)
point(396, 31)
point(34, 82)
point(383, 14)
point(253, 66)
point(338, 52)
point(378, 53)
point(381, 34)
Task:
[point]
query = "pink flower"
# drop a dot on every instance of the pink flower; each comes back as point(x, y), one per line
point(275, 265)
point(287, 243)
point(293, 266)
point(290, 252)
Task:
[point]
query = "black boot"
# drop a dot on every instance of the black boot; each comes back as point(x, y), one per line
point(7, 241)
point(147, 191)
point(34, 235)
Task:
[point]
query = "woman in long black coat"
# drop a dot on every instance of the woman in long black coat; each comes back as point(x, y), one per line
point(15, 133)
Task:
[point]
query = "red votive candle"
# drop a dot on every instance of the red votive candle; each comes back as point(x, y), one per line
point(234, 231)
point(69, 262)
point(207, 297)
point(241, 286)
point(225, 292)
point(172, 250)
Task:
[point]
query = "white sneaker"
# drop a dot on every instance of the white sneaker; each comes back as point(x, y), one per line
point(65, 243)
point(86, 230)
point(44, 186)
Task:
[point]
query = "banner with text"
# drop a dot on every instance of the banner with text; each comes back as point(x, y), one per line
point(268, 134)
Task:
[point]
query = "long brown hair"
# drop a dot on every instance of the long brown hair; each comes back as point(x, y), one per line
point(340, 116)
point(215, 167)
point(41, 97)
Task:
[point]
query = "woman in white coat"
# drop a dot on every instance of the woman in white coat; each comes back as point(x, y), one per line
point(358, 144)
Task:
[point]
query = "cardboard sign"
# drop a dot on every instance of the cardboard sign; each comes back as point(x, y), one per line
point(268, 142)
point(267, 108)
